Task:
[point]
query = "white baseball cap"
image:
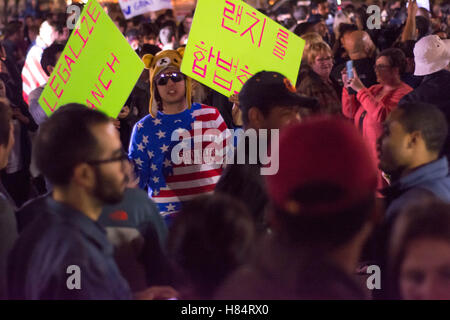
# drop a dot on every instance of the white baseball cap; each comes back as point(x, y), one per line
point(431, 54)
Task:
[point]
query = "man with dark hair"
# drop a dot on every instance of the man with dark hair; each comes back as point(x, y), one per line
point(409, 148)
point(79, 151)
point(49, 58)
point(269, 101)
point(8, 229)
point(317, 24)
point(167, 37)
point(320, 7)
point(149, 32)
point(322, 204)
point(133, 37)
point(12, 37)
point(266, 101)
point(133, 225)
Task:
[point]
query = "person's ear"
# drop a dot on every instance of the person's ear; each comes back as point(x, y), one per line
point(255, 118)
point(84, 175)
point(414, 139)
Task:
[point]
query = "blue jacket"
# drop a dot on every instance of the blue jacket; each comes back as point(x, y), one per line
point(39, 264)
point(429, 180)
point(134, 227)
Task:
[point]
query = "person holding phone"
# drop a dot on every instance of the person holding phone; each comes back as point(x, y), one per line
point(370, 106)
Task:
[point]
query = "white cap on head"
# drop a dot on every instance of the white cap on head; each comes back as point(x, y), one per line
point(431, 54)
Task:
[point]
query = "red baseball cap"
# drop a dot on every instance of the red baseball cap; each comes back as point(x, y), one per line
point(322, 152)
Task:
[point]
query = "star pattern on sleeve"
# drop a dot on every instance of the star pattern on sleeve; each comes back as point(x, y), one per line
point(139, 162)
point(140, 147)
point(167, 163)
point(161, 134)
point(145, 140)
point(150, 154)
point(153, 166)
point(140, 125)
point(164, 148)
point(157, 121)
point(155, 179)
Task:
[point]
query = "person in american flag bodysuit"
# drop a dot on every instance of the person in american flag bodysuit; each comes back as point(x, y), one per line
point(33, 76)
point(167, 182)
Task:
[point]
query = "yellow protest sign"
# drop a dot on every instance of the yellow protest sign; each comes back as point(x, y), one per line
point(97, 68)
point(230, 41)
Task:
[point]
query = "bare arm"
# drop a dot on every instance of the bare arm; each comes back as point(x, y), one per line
point(409, 32)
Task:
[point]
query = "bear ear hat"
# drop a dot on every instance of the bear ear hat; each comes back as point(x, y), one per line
point(180, 50)
point(147, 59)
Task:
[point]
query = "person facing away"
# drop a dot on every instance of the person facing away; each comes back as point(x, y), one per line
point(212, 237)
point(322, 204)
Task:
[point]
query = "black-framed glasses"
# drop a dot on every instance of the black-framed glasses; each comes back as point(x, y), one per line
point(122, 157)
point(164, 78)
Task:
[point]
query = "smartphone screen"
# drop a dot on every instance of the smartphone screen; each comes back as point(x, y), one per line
point(422, 4)
point(349, 69)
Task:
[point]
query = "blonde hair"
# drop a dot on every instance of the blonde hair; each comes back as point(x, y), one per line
point(315, 50)
point(310, 38)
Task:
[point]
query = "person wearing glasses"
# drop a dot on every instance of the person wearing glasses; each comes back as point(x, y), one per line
point(171, 178)
point(65, 253)
point(370, 107)
point(317, 82)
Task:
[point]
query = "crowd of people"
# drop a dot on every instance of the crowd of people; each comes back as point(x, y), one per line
point(98, 208)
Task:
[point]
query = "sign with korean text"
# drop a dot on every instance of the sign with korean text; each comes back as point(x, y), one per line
point(230, 41)
point(132, 8)
point(97, 68)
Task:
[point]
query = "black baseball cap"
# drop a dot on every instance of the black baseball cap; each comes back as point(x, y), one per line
point(267, 89)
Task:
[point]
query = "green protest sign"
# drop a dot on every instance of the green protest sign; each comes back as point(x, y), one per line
point(230, 41)
point(97, 68)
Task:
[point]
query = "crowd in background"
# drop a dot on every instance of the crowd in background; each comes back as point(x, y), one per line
point(363, 174)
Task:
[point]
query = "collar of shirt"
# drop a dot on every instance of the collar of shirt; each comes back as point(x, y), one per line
point(89, 228)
